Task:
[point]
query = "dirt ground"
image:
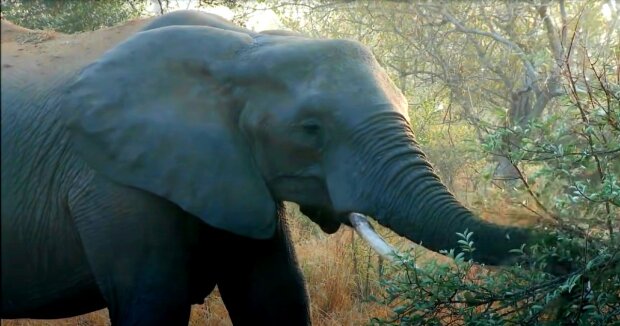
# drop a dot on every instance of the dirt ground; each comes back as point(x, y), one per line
point(48, 52)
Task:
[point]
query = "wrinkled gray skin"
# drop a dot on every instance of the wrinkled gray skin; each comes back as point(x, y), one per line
point(125, 183)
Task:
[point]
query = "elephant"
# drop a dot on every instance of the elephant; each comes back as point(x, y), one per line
point(131, 172)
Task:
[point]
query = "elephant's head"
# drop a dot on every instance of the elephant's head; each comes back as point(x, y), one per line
point(225, 124)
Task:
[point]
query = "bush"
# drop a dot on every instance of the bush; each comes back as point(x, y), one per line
point(439, 294)
point(71, 16)
point(569, 170)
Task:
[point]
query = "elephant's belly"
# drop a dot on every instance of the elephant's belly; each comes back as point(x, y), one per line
point(45, 273)
point(33, 290)
point(68, 304)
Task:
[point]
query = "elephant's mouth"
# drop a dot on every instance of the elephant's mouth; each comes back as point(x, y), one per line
point(326, 218)
point(330, 222)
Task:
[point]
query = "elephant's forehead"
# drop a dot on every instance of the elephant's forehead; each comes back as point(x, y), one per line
point(329, 71)
point(297, 60)
point(278, 50)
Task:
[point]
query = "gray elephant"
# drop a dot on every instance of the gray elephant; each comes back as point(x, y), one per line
point(128, 182)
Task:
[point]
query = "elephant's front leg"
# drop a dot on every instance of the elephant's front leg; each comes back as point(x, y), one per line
point(135, 244)
point(262, 284)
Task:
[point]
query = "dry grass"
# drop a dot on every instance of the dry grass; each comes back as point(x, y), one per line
point(335, 286)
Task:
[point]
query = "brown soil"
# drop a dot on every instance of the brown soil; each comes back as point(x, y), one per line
point(13, 33)
point(49, 52)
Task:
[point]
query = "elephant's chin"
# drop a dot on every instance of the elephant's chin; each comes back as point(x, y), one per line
point(324, 217)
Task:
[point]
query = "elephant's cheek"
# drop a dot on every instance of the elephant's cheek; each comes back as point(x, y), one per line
point(346, 195)
point(347, 183)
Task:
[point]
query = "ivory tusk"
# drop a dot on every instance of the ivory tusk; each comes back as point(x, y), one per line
point(368, 233)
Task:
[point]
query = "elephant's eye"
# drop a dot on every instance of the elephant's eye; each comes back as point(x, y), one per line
point(311, 127)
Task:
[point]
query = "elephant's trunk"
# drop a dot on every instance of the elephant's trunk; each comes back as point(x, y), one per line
point(409, 198)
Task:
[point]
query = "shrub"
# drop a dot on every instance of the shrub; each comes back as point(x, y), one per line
point(70, 16)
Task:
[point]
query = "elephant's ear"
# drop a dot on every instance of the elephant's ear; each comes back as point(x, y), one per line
point(156, 113)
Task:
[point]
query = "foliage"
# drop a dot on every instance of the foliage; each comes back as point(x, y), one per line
point(165, 6)
point(440, 294)
point(70, 16)
point(74, 16)
point(568, 166)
